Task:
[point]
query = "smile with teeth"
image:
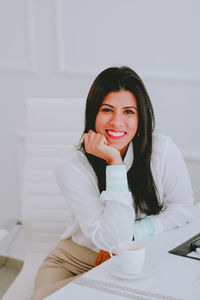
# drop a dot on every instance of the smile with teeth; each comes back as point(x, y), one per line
point(114, 134)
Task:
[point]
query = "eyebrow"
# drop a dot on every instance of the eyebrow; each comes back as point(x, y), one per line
point(125, 107)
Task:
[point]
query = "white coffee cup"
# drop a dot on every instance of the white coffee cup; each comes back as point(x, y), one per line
point(130, 256)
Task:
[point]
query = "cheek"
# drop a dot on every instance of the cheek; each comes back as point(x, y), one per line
point(133, 126)
point(100, 122)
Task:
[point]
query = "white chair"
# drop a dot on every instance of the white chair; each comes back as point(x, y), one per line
point(53, 126)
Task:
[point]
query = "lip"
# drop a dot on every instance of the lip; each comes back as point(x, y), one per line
point(115, 137)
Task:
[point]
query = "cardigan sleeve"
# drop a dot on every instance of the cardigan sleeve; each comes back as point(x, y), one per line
point(106, 218)
point(177, 197)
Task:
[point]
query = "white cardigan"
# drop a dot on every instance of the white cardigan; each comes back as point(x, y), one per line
point(100, 221)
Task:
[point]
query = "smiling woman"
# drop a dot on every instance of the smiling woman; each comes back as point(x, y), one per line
point(124, 182)
point(115, 126)
point(118, 102)
point(117, 119)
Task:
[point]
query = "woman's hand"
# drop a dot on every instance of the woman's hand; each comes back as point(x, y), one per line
point(97, 145)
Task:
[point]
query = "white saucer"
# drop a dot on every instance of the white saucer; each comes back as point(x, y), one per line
point(116, 271)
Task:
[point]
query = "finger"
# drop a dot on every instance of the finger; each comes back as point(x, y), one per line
point(101, 139)
point(91, 135)
point(85, 138)
point(86, 141)
point(89, 141)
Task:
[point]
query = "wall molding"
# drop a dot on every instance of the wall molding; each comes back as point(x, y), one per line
point(172, 77)
point(30, 66)
point(65, 69)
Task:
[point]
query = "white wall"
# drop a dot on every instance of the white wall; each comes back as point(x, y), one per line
point(55, 48)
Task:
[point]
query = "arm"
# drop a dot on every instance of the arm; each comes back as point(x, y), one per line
point(176, 197)
point(106, 218)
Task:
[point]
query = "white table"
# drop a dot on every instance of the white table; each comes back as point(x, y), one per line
point(174, 276)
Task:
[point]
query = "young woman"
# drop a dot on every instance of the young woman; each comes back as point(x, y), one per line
point(124, 182)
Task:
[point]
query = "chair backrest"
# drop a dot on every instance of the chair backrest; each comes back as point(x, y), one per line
point(53, 127)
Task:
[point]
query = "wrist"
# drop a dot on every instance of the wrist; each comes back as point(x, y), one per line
point(116, 178)
point(115, 161)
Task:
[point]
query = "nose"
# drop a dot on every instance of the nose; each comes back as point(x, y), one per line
point(116, 120)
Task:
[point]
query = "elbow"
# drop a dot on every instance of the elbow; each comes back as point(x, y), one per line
point(119, 234)
point(186, 215)
point(122, 237)
point(188, 212)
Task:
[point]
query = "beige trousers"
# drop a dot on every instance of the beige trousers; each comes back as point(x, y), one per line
point(65, 263)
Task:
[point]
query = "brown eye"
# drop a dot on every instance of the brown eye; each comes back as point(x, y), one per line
point(106, 109)
point(129, 112)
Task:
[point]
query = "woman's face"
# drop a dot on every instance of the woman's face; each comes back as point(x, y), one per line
point(117, 119)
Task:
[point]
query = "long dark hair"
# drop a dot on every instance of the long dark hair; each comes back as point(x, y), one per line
point(140, 179)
